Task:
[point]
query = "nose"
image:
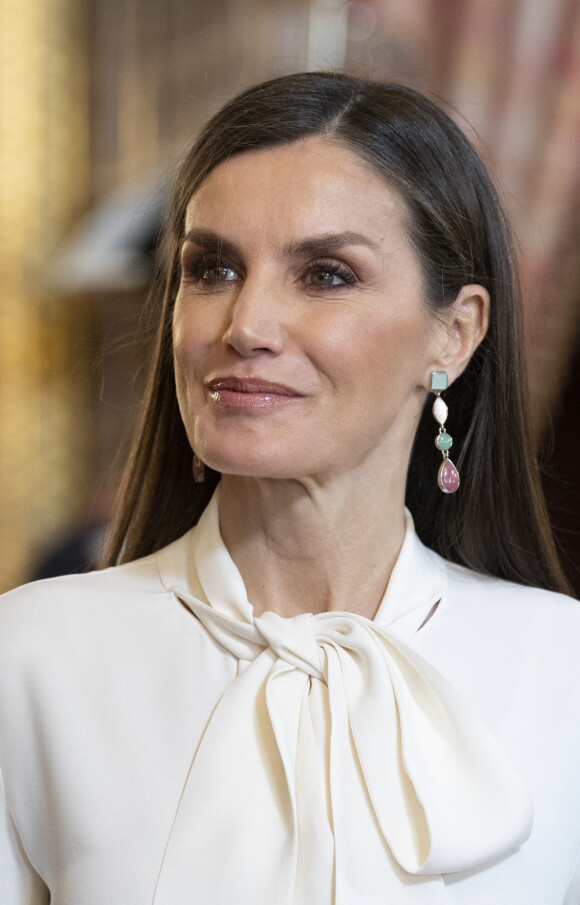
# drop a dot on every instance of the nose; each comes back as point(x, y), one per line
point(255, 324)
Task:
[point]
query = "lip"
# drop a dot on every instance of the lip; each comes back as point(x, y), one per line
point(249, 392)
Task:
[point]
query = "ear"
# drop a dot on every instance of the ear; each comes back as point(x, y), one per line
point(464, 325)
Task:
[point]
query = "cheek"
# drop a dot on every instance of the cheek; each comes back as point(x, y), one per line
point(190, 335)
point(185, 321)
point(198, 323)
point(187, 356)
point(182, 354)
point(178, 326)
point(374, 355)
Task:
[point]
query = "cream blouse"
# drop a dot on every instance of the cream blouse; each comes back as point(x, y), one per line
point(160, 745)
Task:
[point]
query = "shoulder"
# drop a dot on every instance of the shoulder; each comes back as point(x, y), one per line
point(38, 614)
point(505, 603)
point(140, 575)
point(509, 648)
point(462, 580)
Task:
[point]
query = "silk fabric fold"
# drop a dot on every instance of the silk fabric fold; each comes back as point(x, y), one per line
point(339, 766)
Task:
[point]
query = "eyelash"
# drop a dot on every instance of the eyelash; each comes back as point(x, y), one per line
point(195, 267)
point(332, 267)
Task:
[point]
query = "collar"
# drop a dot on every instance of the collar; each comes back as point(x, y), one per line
point(198, 564)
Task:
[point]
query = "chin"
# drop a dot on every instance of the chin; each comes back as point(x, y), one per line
point(254, 470)
point(254, 466)
point(235, 462)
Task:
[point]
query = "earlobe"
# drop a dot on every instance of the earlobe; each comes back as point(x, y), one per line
point(466, 322)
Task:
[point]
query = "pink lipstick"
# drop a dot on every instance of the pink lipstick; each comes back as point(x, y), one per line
point(250, 392)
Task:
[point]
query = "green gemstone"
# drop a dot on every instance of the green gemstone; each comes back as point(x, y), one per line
point(438, 381)
point(444, 441)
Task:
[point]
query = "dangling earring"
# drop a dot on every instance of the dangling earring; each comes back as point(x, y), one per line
point(198, 470)
point(448, 476)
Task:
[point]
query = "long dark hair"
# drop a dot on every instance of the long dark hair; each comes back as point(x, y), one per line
point(497, 522)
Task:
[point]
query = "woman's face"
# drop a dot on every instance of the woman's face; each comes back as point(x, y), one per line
point(302, 342)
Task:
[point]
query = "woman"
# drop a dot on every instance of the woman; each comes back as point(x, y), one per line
point(283, 695)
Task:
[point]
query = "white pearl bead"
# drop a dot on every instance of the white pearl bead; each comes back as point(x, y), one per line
point(440, 410)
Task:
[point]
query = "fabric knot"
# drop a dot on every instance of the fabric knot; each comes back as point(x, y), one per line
point(293, 641)
point(379, 777)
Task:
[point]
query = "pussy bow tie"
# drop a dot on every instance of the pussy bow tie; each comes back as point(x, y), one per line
point(337, 759)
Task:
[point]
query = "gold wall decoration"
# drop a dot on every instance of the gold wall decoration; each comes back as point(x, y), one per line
point(43, 178)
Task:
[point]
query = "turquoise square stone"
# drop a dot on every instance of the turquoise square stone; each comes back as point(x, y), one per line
point(438, 381)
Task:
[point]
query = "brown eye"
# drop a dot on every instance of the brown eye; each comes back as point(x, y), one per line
point(328, 275)
point(217, 273)
point(324, 278)
point(206, 270)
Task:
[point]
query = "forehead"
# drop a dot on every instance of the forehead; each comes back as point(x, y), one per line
point(297, 188)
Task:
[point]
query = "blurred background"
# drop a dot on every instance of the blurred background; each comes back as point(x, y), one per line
point(98, 101)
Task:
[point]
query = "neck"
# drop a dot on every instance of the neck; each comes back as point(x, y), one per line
point(307, 547)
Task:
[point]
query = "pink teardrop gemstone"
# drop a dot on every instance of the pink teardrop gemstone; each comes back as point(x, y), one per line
point(448, 477)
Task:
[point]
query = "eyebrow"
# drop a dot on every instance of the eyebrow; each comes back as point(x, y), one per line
point(311, 246)
point(211, 241)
